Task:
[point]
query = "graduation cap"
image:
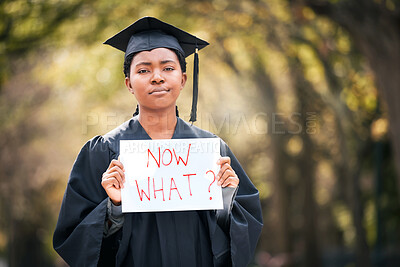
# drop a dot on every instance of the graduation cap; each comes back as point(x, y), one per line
point(149, 33)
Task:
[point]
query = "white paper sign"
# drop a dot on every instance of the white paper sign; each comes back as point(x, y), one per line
point(170, 175)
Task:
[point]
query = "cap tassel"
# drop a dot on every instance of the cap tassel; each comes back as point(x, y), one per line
point(193, 113)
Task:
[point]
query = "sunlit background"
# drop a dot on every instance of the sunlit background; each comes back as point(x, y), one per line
point(305, 93)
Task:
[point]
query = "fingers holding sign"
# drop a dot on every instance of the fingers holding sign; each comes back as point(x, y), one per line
point(113, 180)
point(227, 176)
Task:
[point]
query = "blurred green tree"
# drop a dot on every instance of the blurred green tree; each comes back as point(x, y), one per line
point(374, 29)
point(26, 214)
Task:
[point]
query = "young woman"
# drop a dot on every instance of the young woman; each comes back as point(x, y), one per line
point(93, 231)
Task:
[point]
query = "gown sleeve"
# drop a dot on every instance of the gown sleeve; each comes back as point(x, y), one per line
point(244, 219)
point(78, 237)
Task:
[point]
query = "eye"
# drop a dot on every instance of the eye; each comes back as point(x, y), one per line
point(141, 71)
point(169, 68)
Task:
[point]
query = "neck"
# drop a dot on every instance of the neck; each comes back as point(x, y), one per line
point(158, 124)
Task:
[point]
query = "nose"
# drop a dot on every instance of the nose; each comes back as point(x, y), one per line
point(157, 78)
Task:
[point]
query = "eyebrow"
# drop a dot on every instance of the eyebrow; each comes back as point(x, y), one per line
point(167, 61)
point(143, 63)
point(149, 63)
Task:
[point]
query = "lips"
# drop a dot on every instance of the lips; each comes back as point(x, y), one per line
point(158, 90)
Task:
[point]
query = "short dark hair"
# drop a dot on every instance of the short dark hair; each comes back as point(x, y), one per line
point(128, 61)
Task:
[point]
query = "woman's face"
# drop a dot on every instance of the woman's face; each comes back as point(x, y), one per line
point(156, 79)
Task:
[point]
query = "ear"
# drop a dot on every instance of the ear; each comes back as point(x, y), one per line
point(129, 85)
point(184, 79)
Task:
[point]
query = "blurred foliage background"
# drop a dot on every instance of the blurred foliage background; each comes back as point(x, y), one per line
point(305, 92)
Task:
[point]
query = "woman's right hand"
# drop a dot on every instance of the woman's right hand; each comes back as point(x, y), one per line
point(113, 180)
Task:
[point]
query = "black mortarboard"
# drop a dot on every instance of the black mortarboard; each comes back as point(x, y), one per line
point(149, 33)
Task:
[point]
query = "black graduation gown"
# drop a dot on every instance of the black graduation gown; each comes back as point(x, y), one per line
point(184, 238)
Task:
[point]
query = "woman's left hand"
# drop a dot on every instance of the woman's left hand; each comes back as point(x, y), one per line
point(227, 176)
